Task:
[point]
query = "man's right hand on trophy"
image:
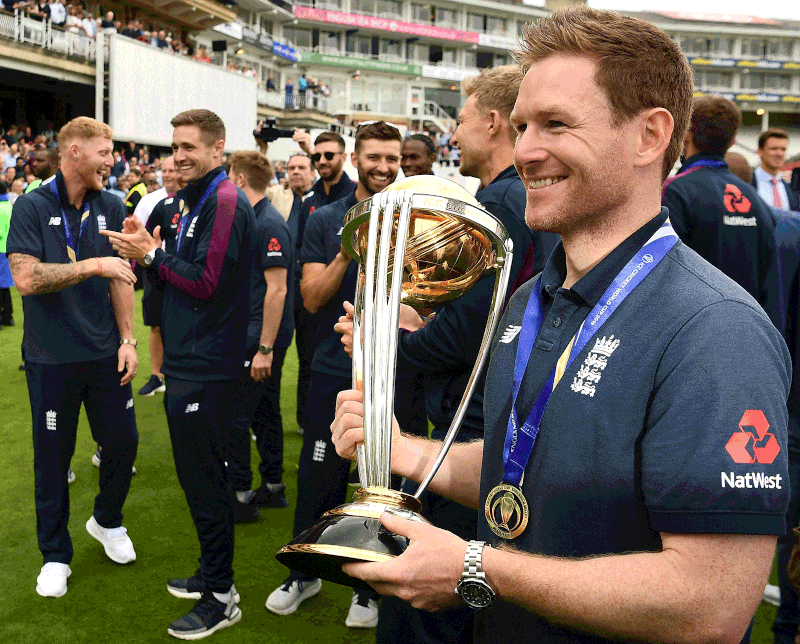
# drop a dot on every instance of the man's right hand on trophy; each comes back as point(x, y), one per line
point(348, 426)
point(345, 327)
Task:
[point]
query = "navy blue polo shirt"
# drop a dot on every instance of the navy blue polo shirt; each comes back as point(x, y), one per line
point(321, 244)
point(76, 323)
point(317, 198)
point(273, 249)
point(723, 218)
point(167, 214)
point(659, 439)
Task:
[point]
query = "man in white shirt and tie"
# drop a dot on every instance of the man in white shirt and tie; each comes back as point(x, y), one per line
point(772, 145)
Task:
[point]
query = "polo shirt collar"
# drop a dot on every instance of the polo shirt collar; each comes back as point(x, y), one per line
point(64, 197)
point(591, 286)
point(195, 190)
point(697, 157)
point(349, 201)
point(336, 189)
point(509, 172)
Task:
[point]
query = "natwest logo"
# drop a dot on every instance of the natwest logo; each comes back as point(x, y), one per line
point(753, 443)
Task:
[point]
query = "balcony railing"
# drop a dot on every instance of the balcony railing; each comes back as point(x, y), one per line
point(24, 29)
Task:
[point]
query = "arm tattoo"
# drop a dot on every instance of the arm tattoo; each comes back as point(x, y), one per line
point(46, 278)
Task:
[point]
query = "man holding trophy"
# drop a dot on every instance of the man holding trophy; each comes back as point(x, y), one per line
point(633, 478)
point(329, 278)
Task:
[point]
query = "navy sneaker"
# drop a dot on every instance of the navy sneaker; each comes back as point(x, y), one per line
point(153, 386)
point(208, 616)
point(192, 587)
point(247, 511)
point(268, 499)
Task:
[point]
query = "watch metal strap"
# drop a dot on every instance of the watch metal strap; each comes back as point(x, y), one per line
point(472, 558)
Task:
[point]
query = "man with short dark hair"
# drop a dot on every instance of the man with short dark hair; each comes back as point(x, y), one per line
point(78, 302)
point(419, 155)
point(772, 146)
point(329, 278)
point(44, 165)
point(206, 309)
point(717, 214)
point(630, 389)
point(333, 184)
point(257, 399)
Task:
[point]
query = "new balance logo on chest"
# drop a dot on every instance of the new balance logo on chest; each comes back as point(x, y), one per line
point(511, 332)
point(54, 221)
point(190, 232)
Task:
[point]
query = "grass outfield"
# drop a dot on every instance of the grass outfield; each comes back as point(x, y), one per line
point(109, 603)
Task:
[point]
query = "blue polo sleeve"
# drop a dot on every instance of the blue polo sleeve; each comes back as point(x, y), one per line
point(274, 245)
point(25, 232)
point(714, 452)
point(313, 249)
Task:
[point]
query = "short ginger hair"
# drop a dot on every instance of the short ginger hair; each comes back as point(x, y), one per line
point(82, 128)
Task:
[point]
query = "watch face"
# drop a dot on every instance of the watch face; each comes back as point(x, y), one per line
point(475, 594)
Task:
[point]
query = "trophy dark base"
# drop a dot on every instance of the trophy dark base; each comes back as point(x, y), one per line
point(351, 532)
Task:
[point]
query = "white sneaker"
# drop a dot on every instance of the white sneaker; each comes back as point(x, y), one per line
point(287, 598)
point(363, 611)
point(772, 595)
point(52, 580)
point(70, 476)
point(116, 542)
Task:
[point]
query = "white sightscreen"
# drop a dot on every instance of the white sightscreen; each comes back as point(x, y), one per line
point(147, 87)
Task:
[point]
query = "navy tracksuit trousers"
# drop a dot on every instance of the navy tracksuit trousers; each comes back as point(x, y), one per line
point(198, 414)
point(56, 394)
point(257, 405)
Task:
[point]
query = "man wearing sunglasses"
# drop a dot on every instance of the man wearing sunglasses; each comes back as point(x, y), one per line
point(333, 184)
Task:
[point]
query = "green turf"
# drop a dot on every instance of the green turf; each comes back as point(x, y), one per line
point(108, 603)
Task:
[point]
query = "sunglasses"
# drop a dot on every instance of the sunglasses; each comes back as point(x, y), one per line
point(328, 155)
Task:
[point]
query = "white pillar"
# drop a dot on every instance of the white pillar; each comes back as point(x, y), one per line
point(765, 121)
point(99, 75)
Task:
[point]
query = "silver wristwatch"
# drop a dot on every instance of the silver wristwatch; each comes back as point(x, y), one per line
point(149, 257)
point(473, 587)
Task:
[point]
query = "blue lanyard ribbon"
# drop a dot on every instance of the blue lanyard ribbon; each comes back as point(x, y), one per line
point(520, 440)
point(72, 245)
point(709, 163)
point(187, 215)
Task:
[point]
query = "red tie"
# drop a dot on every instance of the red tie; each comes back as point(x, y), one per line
point(776, 196)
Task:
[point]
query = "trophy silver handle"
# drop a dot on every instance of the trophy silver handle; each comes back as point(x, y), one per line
point(498, 297)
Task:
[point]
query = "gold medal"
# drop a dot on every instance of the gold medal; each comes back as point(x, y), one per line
point(506, 511)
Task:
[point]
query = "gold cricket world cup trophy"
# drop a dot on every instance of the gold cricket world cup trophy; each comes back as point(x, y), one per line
point(423, 241)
